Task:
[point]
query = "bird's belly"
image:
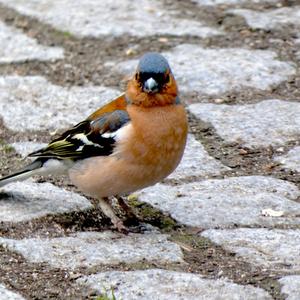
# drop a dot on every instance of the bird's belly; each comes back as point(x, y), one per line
point(113, 175)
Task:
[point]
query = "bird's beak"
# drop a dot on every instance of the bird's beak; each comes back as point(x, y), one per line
point(150, 86)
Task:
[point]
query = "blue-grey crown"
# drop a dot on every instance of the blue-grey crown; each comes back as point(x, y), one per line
point(153, 62)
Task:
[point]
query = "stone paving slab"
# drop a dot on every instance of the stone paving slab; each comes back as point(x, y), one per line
point(97, 18)
point(291, 287)
point(45, 105)
point(165, 285)
point(220, 70)
point(273, 249)
point(232, 2)
point(197, 162)
point(253, 125)
point(275, 18)
point(6, 294)
point(227, 202)
point(20, 48)
point(23, 201)
point(88, 249)
point(25, 148)
point(290, 160)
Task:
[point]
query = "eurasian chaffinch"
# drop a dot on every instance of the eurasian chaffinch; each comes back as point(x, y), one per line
point(131, 143)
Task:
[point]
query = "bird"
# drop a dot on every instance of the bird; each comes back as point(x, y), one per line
point(131, 143)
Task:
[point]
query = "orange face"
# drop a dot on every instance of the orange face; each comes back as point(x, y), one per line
point(152, 89)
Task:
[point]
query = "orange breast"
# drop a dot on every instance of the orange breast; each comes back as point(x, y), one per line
point(158, 140)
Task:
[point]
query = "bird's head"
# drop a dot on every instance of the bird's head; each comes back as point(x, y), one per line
point(153, 83)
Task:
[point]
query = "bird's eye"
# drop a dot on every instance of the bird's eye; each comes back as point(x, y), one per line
point(167, 78)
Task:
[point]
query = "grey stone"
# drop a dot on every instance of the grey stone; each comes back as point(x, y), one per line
point(24, 148)
point(227, 202)
point(19, 47)
point(274, 249)
point(88, 249)
point(96, 18)
point(253, 125)
point(221, 70)
point(166, 285)
point(290, 160)
point(232, 2)
point(291, 287)
point(6, 294)
point(47, 106)
point(197, 162)
point(23, 201)
point(271, 19)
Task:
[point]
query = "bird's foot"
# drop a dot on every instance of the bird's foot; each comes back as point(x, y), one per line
point(140, 228)
point(120, 227)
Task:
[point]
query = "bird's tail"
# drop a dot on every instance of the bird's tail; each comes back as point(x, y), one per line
point(22, 174)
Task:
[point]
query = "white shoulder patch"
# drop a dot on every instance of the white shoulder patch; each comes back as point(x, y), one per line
point(82, 137)
point(109, 135)
point(123, 133)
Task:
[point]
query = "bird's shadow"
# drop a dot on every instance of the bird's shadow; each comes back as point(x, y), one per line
point(9, 196)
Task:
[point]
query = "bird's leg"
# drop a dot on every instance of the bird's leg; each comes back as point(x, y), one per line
point(108, 211)
point(132, 218)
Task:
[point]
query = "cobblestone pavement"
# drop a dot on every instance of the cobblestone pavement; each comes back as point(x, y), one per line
point(226, 223)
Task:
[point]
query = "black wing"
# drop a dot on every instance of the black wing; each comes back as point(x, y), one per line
point(87, 138)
